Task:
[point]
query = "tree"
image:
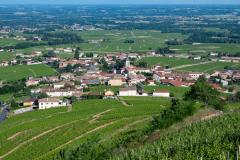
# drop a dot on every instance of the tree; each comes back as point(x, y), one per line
point(142, 64)
point(77, 54)
point(50, 54)
point(42, 95)
point(202, 91)
point(13, 104)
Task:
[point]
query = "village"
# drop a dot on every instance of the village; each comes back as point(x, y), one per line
point(81, 72)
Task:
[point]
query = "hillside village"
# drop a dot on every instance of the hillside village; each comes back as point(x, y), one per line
point(114, 70)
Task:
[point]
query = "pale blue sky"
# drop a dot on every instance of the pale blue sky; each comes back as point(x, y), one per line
point(119, 1)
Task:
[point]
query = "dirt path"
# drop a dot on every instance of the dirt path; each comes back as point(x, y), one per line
point(190, 65)
point(79, 137)
point(36, 137)
point(97, 116)
point(126, 127)
point(123, 102)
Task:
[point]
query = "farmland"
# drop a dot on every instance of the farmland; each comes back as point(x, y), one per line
point(209, 140)
point(41, 134)
point(5, 56)
point(114, 40)
point(13, 73)
point(105, 41)
point(170, 62)
point(211, 67)
point(206, 48)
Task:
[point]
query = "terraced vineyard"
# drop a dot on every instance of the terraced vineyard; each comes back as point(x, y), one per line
point(212, 139)
point(41, 134)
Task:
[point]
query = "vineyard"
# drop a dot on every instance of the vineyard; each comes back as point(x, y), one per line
point(214, 139)
point(42, 134)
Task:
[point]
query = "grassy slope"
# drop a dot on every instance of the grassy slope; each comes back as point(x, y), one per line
point(209, 140)
point(12, 73)
point(56, 127)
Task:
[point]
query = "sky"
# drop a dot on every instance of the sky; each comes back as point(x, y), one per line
point(119, 1)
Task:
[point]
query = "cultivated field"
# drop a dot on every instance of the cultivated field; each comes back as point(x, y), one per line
point(41, 134)
point(104, 41)
point(211, 67)
point(206, 48)
point(6, 56)
point(12, 73)
point(211, 139)
point(170, 62)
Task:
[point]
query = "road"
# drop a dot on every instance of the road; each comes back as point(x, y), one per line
point(190, 65)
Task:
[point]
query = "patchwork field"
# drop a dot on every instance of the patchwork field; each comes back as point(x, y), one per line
point(105, 41)
point(206, 48)
point(41, 134)
point(12, 73)
point(211, 67)
point(171, 62)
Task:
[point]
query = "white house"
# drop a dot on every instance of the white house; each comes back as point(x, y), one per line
point(129, 91)
point(50, 103)
point(195, 75)
point(161, 93)
point(58, 85)
point(63, 92)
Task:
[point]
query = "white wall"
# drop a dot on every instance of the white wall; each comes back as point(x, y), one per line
point(161, 94)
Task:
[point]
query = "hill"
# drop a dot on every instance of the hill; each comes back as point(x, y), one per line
point(42, 134)
point(212, 139)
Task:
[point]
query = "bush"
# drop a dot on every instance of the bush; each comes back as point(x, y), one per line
point(177, 112)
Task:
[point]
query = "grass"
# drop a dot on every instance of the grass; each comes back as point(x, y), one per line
point(13, 73)
point(103, 88)
point(178, 92)
point(9, 42)
point(168, 61)
point(71, 125)
point(210, 67)
point(6, 56)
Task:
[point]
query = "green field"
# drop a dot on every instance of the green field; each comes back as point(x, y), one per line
point(113, 41)
point(12, 73)
point(178, 92)
point(41, 134)
point(8, 42)
point(6, 56)
point(206, 48)
point(171, 62)
point(211, 67)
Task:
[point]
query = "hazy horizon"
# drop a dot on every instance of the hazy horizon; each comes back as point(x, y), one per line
point(119, 2)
